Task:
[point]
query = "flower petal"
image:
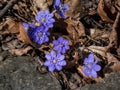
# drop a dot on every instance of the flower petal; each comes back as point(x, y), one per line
point(93, 74)
point(56, 3)
point(48, 56)
point(55, 42)
point(62, 63)
point(53, 54)
point(60, 57)
point(66, 7)
point(57, 48)
point(97, 67)
point(86, 61)
point(91, 57)
point(58, 67)
point(60, 39)
point(51, 68)
point(47, 63)
point(86, 71)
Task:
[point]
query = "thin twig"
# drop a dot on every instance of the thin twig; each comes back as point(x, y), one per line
point(4, 10)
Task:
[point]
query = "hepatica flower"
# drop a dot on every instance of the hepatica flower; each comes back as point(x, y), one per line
point(60, 8)
point(61, 45)
point(45, 18)
point(39, 34)
point(55, 61)
point(90, 66)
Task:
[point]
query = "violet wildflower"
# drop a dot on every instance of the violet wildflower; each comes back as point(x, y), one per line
point(39, 34)
point(54, 61)
point(91, 67)
point(61, 45)
point(61, 8)
point(45, 18)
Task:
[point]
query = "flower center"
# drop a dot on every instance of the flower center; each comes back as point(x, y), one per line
point(40, 34)
point(89, 66)
point(43, 19)
point(54, 61)
point(60, 44)
point(61, 7)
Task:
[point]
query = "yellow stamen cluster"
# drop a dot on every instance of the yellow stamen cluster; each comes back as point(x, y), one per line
point(54, 61)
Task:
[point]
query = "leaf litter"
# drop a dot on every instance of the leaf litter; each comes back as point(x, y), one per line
point(101, 37)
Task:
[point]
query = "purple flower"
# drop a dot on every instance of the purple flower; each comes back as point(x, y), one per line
point(61, 8)
point(61, 45)
point(90, 66)
point(54, 61)
point(45, 18)
point(39, 34)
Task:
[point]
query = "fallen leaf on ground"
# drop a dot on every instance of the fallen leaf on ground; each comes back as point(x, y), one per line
point(106, 10)
point(75, 29)
point(9, 26)
point(113, 64)
point(96, 49)
point(75, 8)
point(23, 35)
point(20, 51)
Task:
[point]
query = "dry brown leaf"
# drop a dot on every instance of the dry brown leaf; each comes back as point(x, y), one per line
point(20, 51)
point(117, 4)
point(99, 50)
point(46, 48)
point(118, 50)
point(106, 10)
point(75, 29)
point(9, 26)
point(115, 33)
point(75, 8)
point(80, 71)
point(96, 49)
point(42, 4)
point(23, 35)
point(113, 64)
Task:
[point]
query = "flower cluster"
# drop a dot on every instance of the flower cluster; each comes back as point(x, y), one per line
point(90, 66)
point(60, 8)
point(39, 33)
point(55, 60)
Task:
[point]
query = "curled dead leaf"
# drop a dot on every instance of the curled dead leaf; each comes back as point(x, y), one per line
point(23, 35)
point(20, 51)
point(42, 4)
point(106, 10)
point(96, 49)
point(113, 64)
point(75, 29)
point(115, 33)
point(80, 71)
point(75, 8)
point(9, 26)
